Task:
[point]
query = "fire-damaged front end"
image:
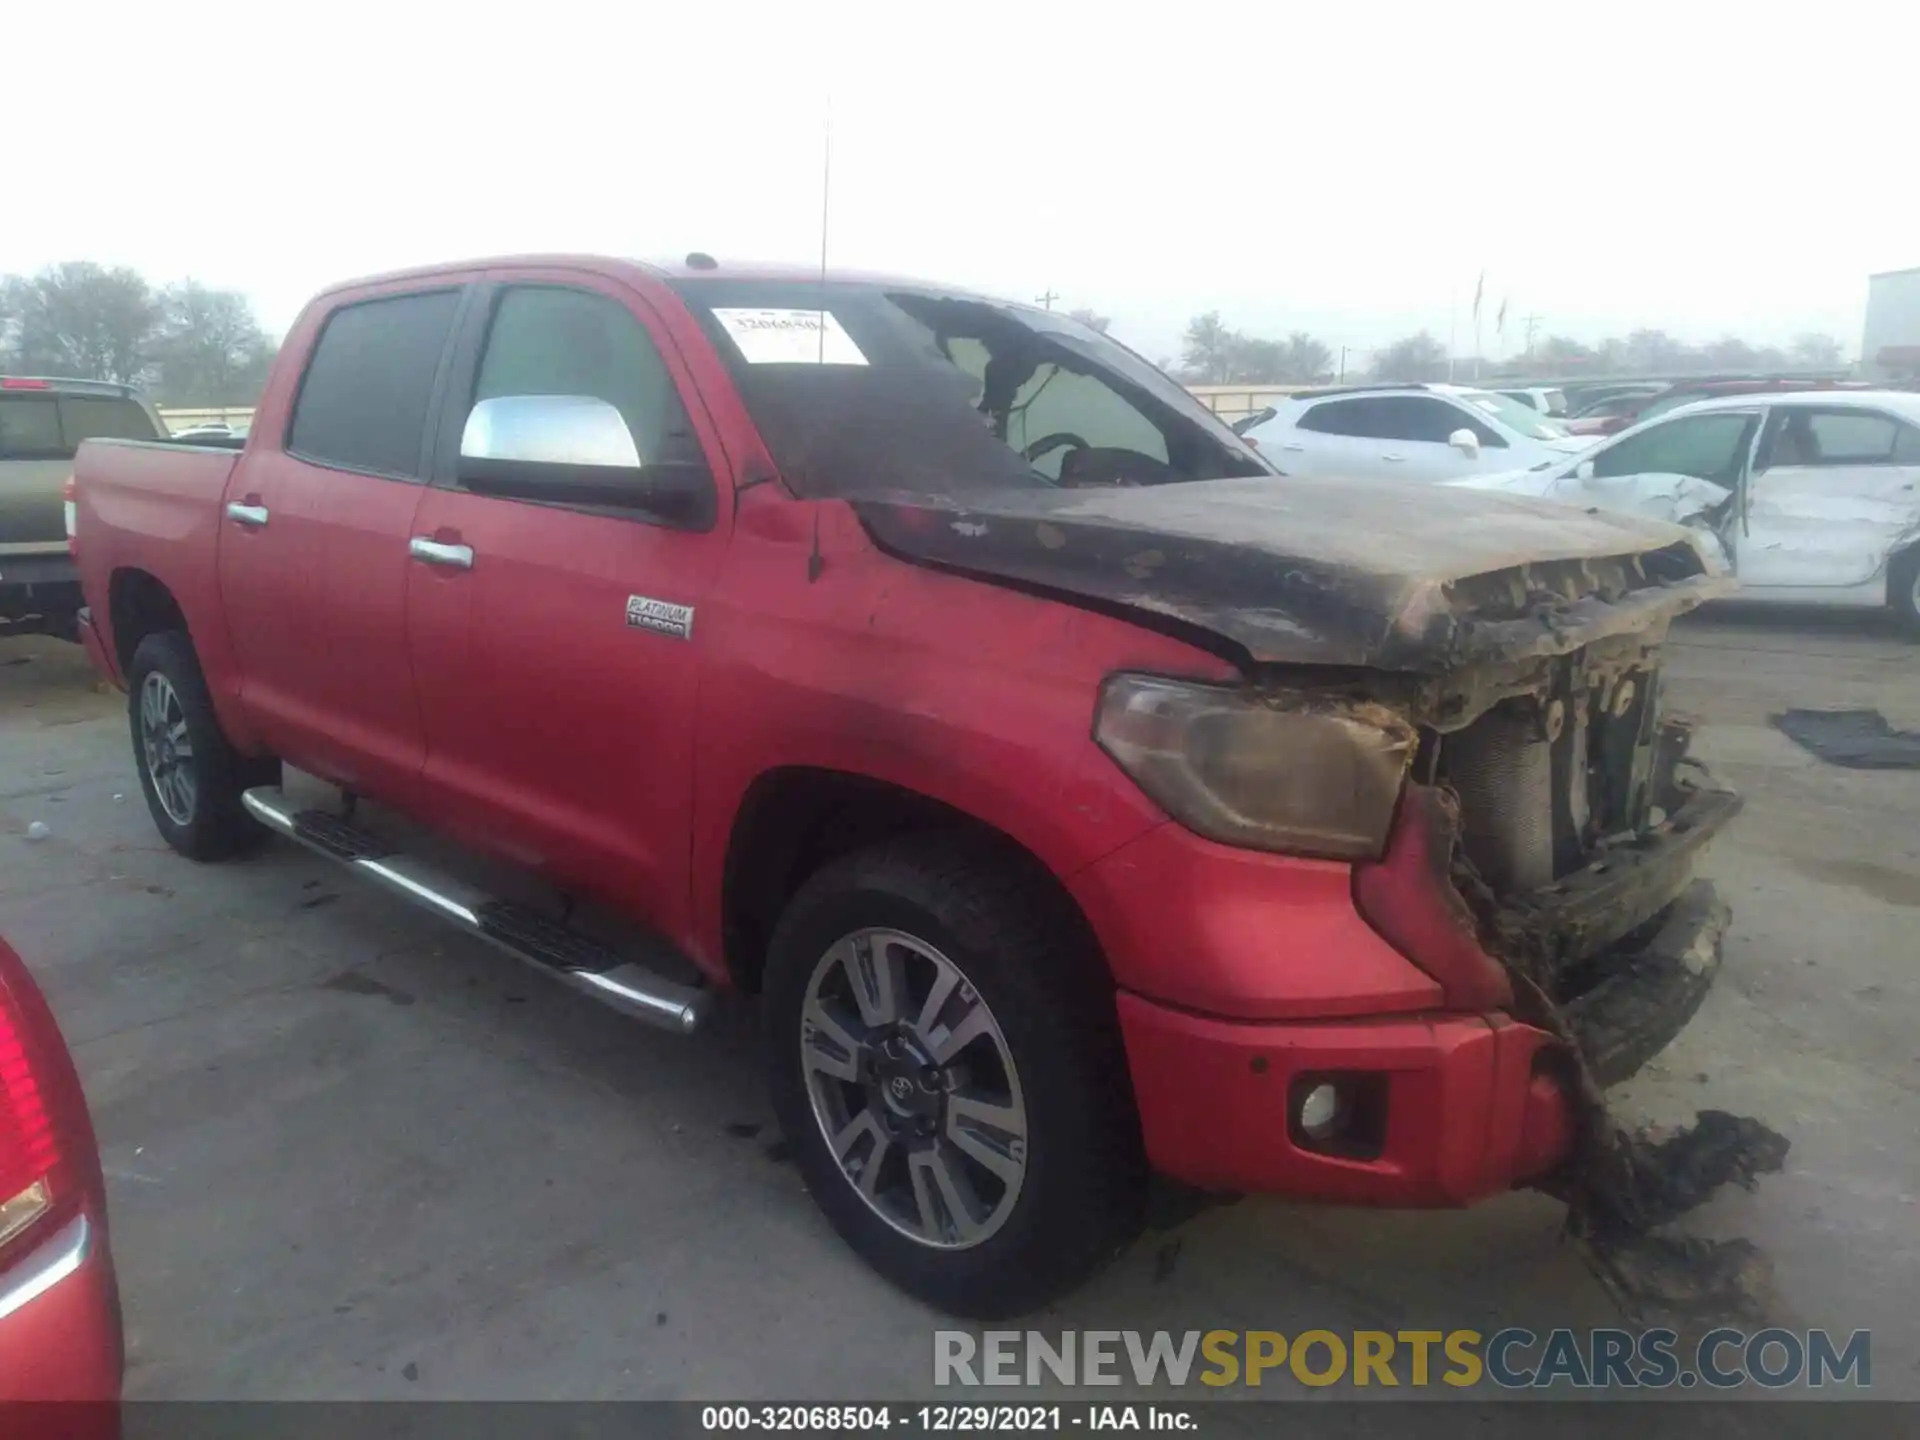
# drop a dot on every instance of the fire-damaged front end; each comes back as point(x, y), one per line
point(1463, 699)
point(1561, 799)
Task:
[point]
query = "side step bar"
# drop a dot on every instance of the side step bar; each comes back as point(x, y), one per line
point(584, 964)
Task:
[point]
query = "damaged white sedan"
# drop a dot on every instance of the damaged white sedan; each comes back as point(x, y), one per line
point(1811, 499)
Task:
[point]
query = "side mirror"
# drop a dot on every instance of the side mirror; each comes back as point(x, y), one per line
point(1466, 442)
point(1583, 471)
point(576, 450)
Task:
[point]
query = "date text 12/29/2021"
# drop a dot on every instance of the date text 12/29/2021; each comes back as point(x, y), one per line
point(944, 1419)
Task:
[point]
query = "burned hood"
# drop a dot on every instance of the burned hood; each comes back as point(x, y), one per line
point(1320, 571)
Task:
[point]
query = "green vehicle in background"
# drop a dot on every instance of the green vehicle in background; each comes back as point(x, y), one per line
point(42, 422)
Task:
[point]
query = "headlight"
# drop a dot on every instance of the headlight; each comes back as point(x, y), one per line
point(1249, 769)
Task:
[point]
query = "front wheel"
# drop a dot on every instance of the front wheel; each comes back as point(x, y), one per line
point(946, 1066)
point(192, 775)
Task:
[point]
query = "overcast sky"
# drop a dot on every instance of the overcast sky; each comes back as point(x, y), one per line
point(1348, 170)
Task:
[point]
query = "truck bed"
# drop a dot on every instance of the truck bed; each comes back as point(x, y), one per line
point(152, 506)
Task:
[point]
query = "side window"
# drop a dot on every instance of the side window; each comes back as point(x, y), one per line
point(30, 428)
point(1906, 446)
point(88, 417)
point(1852, 437)
point(1059, 402)
point(369, 383)
point(545, 340)
point(1708, 447)
point(1427, 420)
point(1341, 417)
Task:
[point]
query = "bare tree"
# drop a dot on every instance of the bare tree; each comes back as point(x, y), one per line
point(1816, 351)
point(1207, 355)
point(1418, 357)
point(82, 320)
point(208, 348)
point(1562, 355)
point(1253, 361)
point(1651, 350)
point(1305, 359)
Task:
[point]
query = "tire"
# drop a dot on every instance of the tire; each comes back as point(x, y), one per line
point(195, 799)
point(1903, 591)
point(1052, 1208)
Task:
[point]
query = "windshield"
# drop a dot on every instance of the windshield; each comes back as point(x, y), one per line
point(891, 389)
point(1514, 415)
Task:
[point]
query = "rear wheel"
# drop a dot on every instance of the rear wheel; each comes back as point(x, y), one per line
point(1903, 591)
point(946, 1066)
point(192, 776)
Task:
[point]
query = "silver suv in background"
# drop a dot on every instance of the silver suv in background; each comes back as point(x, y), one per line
point(42, 422)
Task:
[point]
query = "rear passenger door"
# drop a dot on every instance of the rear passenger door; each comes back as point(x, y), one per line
point(1831, 493)
point(313, 544)
point(556, 644)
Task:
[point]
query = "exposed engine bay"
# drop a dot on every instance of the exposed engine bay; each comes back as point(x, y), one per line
point(1570, 814)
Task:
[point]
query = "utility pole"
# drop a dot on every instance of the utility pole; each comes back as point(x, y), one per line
point(1530, 323)
point(1047, 299)
point(1341, 378)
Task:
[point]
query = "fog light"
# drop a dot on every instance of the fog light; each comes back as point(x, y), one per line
point(1320, 1111)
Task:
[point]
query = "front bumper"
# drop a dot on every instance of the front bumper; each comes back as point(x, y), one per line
point(1468, 1105)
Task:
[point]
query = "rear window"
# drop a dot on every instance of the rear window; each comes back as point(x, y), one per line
point(364, 399)
point(51, 427)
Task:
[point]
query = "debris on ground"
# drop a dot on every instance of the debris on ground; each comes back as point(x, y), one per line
point(1851, 739)
point(1628, 1185)
point(38, 830)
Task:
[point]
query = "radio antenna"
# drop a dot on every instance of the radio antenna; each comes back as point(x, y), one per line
point(826, 192)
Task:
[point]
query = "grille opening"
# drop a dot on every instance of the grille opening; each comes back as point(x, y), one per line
point(1545, 779)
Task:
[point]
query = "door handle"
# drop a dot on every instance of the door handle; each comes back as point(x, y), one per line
point(435, 552)
point(1393, 457)
point(1296, 446)
point(252, 515)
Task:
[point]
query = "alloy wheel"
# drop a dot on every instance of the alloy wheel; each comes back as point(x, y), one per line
point(914, 1088)
point(166, 747)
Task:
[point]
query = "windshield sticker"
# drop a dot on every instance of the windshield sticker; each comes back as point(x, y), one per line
point(790, 337)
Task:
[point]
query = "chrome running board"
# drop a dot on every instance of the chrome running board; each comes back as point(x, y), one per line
point(586, 965)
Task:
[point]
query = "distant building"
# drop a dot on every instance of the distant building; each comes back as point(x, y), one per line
point(1890, 348)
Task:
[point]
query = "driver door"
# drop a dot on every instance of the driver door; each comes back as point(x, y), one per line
point(1831, 492)
point(559, 708)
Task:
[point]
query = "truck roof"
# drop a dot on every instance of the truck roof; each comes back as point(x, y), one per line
point(692, 266)
point(64, 385)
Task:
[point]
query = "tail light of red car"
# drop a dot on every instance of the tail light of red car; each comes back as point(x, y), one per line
point(69, 495)
point(49, 1169)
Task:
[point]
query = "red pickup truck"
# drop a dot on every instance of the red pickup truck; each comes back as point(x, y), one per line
point(1082, 798)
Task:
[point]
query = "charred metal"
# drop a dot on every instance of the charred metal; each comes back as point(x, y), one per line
point(1315, 573)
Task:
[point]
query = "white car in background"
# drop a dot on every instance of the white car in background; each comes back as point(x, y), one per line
point(1547, 401)
point(1813, 497)
point(1410, 432)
